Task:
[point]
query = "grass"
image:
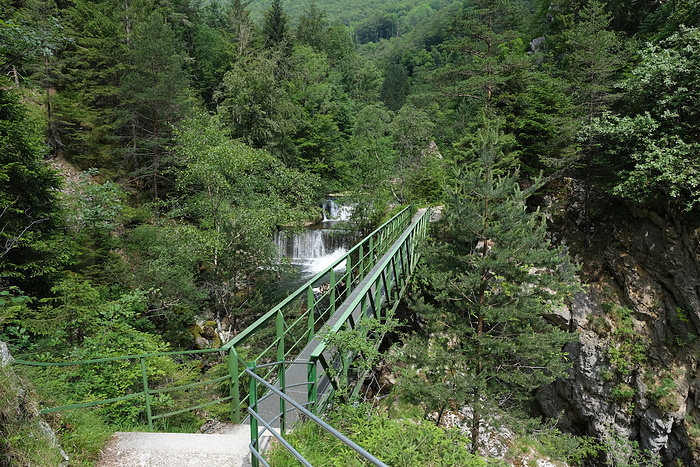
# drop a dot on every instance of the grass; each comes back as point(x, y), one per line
point(24, 440)
point(396, 441)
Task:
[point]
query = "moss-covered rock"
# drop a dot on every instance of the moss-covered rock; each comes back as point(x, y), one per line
point(24, 438)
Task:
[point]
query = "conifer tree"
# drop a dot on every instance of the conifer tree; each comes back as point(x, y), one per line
point(275, 25)
point(312, 27)
point(154, 95)
point(486, 290)
point(29, 214)
point(478, 35)
point(592, 59)
point(594, 56)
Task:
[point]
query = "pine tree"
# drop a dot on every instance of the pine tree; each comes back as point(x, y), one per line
point(478, 34)
point(29, 215)
point(486, 291)
point(593, 58)
point(154, 95)
point(275, 26)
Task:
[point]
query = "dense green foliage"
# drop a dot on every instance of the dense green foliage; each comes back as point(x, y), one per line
point(485, 289)
point(29, 211)
point(395, 441)
point(188, 132)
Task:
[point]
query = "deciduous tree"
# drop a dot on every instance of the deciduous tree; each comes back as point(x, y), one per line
point(655, 140)
point(235, 196)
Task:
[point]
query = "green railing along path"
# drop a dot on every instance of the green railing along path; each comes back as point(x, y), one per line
point(281, 334)
point(305, 385)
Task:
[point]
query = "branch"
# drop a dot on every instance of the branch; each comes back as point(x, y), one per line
point(12, 241)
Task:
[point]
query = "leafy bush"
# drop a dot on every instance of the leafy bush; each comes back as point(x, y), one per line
point(397, 442)
point(627, 350)
point(573, 450)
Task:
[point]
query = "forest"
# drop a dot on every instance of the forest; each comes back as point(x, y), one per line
point(150, 149)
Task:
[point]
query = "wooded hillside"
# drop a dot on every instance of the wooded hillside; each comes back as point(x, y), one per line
point(149, 150)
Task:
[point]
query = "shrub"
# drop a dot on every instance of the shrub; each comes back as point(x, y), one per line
point(397, 442)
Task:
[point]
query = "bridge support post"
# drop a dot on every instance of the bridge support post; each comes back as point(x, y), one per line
point(311, 378)
point(348, 269)
point(310, 310)
point(361, 263)
point(332, 293)
point(280, 358)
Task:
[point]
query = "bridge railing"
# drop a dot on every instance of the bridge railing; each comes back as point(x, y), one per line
point(377, 297)
point(283, 405)
point(287, 404)
point(278, 335)
point(297, 318)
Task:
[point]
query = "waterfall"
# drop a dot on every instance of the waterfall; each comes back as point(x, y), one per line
point(303, 246)
point(318, 246)
point(333, 211)
point(310, 244)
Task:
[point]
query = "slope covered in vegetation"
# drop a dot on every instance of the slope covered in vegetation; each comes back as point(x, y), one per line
point(198, 128)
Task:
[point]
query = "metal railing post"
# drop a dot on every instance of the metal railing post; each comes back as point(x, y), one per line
point(144, 379)
point(253, 404)
point(332, 283)
point(235, 385)
point(313, 388)
point(279, 333)
point(279, 324)
point(283, 388)
point(310, 319)
point(361, 262)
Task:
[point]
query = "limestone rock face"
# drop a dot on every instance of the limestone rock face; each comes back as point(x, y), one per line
point(5, 356)
point(635, 367)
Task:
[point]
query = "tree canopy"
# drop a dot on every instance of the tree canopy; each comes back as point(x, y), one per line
point(188, 133)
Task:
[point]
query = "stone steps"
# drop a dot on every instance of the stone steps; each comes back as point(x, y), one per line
point(140, 449)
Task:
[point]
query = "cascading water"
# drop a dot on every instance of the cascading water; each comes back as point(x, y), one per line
point(333, 211)
point(318, 246)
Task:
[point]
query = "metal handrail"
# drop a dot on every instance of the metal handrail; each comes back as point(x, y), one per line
point(371, 247)
point(379, 293)
point(257, 456)
point(402, 217)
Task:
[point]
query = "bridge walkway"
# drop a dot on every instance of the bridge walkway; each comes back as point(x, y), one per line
point(348, 315)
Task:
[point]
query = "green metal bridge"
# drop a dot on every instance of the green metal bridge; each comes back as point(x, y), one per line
point(279, 368)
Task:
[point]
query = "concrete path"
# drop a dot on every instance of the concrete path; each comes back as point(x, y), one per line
point(178, 449)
